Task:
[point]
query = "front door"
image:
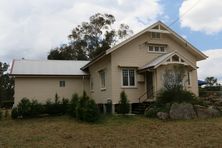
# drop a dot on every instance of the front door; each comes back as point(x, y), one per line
point(149, 84)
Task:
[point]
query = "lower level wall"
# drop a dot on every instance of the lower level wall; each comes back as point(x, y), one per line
point(44, 88)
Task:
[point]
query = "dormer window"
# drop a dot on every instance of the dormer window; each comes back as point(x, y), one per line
point(155, 35)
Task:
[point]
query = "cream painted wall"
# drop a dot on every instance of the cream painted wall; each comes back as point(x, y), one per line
point(132, 54)
point(44, 88)
point(98, 94)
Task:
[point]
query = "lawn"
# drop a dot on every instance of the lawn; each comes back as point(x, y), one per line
point(114, 131)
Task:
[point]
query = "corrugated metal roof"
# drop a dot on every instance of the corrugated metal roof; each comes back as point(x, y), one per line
point(157, 61)
point(48, 67)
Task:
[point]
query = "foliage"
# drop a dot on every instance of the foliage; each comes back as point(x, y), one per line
point(86, 109)
point(14, 113)
point(73, 104)
point(6, 84)
point(90, 39)
point(28, 109)
point(24, 108)
point(175, 95)
point(173, 78)
point(211, 81)
point(6, 115)
point(64, 105)
point(1, 113)
point(123, 107)
point(156, 107)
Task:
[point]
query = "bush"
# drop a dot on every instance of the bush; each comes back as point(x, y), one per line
point(123, 107)
point(24, 108)
point(64, 106)
point(14, 113)
point(156, 107)
point(86, 109)
point(73, 104)
point(1, 113)
point(175, 95)
point(28, 109)
point(56, 107)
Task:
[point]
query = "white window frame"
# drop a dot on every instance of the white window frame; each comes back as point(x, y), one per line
point(91, 84)
point(159, 49)
point(102, 81)
point(62, 83)
point(135, 79)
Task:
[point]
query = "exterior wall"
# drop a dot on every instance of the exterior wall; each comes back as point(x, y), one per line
point(44, 88)
point(193, 87)
point(133, 55)
point(98, 94)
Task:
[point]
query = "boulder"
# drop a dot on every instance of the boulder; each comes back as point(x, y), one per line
point(207, 112)
point(163, 115)
point(182, 111)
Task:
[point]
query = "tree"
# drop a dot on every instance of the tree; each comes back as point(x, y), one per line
point(211, 81)
point(6, 83)
point(123, 103)
point(173, 78)
point(90, 39)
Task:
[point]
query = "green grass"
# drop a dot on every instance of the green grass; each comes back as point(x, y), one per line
point(112, 131)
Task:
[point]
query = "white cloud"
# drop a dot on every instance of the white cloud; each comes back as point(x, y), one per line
point(211, 66)
point(30, 29)
point(202, 15)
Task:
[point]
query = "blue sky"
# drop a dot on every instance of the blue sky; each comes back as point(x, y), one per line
point(29, 29)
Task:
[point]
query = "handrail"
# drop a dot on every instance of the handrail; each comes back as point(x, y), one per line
point(146, 92)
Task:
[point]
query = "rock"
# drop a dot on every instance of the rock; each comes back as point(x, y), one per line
point(214, 111)
point(207, 112)
point(182, 111)
point(163, 115)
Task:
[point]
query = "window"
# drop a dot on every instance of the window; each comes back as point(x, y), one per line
point(188, 78)
point(156, 48)
point(91, 84)
point(102, 79)
point(128, 77)
point(155, 35)
point(62, 83)
point(150, 48)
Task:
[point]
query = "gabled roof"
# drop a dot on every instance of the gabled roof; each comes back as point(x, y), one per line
point(165, 29)
point(163, 58)
point(48, 67)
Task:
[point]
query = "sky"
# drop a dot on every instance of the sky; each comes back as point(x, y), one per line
point(29, 29)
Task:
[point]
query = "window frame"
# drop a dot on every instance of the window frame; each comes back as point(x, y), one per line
point(102, 81)
point(128, 77)
point(153, 47)
point(62, 83)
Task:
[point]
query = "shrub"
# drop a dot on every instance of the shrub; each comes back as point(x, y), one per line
point(1, 113)
point(14, 113)
point(175, 95)
point(156, 107)
point(27, 108)
point(36, 108)
point(64, 105)
point(86, 109)
point(73, 104)
point(24, 108)
point(54, 108)
point(6, 115)
point(123, 107)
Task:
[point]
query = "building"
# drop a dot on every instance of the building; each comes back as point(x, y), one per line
point(135, 65)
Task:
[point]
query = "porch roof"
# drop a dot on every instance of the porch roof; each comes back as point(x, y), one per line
point(162, 60)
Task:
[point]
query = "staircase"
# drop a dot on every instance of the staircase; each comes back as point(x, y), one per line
point(139, 108)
